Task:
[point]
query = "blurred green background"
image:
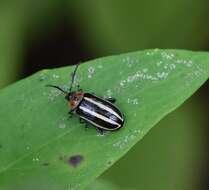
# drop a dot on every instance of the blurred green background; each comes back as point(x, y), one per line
point(44, 34)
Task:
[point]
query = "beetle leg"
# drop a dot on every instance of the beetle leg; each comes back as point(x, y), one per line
point(99, 130)
point(71, 113)
point(82, 120)
point(111, 99)
point(79, 89)
point(86, 126)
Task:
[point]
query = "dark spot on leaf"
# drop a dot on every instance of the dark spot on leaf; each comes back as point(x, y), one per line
point(0, 146)
point(45, 164)
point(75, 160)
point(62, 157)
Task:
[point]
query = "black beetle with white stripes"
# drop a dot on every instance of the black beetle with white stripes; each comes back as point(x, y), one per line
point(100, 112)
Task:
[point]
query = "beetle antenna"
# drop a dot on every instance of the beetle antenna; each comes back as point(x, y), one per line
point(57, 87)
point(73, 76)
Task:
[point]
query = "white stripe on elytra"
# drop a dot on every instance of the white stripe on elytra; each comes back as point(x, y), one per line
point(103, 107)
point(98, 115)
point(99, 126)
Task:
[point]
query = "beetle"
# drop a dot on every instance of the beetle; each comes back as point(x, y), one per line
point(100, 112)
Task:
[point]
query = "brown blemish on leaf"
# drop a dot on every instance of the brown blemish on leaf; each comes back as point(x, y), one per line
point(75, 160)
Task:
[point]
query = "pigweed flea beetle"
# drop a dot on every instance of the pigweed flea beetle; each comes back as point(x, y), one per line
point(100, 112)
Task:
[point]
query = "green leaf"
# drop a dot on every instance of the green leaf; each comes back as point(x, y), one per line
point(176, 139)
point(101, 185)
point(104, 185)
point(38, 139)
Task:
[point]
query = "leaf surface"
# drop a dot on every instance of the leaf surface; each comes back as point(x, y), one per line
point(38, 140)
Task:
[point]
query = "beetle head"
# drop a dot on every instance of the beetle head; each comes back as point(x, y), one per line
point(68, 96)
point(74, 98)
point(71, 96)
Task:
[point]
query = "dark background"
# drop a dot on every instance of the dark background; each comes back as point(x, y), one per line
point(37, 35)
